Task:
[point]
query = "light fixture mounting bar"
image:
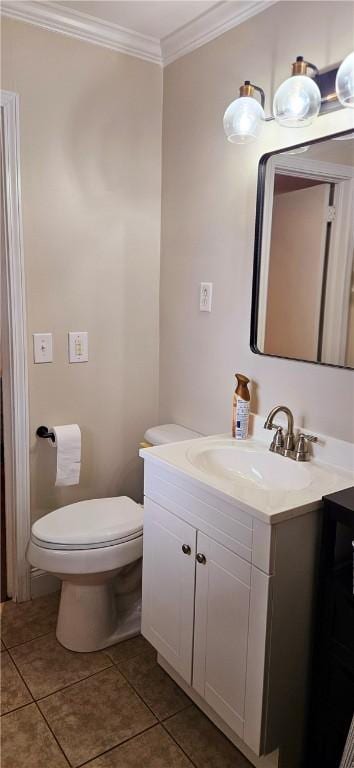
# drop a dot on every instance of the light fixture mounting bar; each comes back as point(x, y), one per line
point(326, 81)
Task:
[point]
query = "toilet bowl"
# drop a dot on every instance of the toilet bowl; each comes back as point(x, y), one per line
point(95, 547)
point(87, 545)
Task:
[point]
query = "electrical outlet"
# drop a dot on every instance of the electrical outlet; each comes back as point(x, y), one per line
point(206, 290)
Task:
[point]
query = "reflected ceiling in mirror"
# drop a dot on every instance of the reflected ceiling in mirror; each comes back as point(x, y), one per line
point(303, 281)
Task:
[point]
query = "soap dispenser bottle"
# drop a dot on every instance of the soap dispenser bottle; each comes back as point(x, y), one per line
point(240, 408)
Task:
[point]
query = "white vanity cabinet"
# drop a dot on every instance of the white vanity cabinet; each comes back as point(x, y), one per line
point(168, 587)
point(222, 605)
point(227, 602)
point(196, 614)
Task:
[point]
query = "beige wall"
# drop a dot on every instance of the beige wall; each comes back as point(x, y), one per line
point(90, 124)
point(208, 212)
point(91, 168)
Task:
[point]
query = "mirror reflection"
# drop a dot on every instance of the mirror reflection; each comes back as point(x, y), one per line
point(304, 302)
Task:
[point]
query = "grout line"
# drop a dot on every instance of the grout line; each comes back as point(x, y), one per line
point(160, 721)
point(38, 709)
point(130, 738)
point(126, 681)
point(22, 706)
point(63, 687)
point(175, 740)
point(137, 693)
point(69, 685)
point(128, 658)
point(25, 684)
point(53, 734)
point(37, 637)
point(42, 634)
point(76, 682)
point(120, 744)
point(30, 640)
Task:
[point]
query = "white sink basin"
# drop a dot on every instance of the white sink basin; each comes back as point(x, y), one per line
point(267, 484)
point(232, 460)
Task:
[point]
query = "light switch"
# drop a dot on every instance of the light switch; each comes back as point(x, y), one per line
point(78, 347)
point(206, 290)
point(43, 347)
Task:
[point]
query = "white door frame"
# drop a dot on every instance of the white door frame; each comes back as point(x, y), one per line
point(334, 333)
point(15, 377)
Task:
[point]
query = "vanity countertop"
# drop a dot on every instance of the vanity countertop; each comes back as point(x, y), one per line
point(264, 484)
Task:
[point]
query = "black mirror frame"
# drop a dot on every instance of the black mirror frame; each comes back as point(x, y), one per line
point(258, 248)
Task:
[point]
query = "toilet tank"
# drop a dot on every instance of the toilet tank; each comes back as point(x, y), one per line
point(167, 433)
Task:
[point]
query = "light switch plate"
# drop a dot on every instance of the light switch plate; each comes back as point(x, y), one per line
point(78, 346)
point(205, 296)
point(43, 347)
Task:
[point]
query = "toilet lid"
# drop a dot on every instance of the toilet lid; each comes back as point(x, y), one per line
point(86, 524)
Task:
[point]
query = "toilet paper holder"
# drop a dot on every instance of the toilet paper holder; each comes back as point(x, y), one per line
point(46, 433)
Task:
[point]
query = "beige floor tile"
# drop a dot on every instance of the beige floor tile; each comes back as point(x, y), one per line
point(128, 649)
point(27, 741)
point(46, 666)
point(157, 689)
point(153, 749)
point(206, 746)
point(13, 692)
point(95, 715)
point(24, 621)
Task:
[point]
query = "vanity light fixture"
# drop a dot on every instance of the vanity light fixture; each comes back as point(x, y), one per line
point(309, 92)
point(345, 82)
point(297, 101)
point(244, 117)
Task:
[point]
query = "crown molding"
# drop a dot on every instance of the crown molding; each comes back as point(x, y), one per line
point(213, 23)
point(61, 19)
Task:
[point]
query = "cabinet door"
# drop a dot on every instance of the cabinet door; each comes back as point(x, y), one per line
point(168, 586)
point(222, 601)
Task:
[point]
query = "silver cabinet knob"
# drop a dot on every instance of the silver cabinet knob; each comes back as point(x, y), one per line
point(186, 549)
point(200, 558)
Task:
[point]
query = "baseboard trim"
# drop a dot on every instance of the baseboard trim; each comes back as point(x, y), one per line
point(43, 583)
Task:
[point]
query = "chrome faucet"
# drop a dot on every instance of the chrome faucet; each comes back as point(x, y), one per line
point(283, 444)
point(286, 444)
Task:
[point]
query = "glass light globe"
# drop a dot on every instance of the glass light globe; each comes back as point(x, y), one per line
point(297, 101)
point(345, 82)
point(243, 120)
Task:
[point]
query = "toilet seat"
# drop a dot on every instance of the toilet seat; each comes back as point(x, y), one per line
point(91, 524)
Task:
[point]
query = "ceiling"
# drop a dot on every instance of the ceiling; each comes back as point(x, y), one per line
point(159, 31)
point(157, 18)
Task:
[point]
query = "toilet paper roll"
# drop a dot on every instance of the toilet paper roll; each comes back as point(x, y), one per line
point(68, 444)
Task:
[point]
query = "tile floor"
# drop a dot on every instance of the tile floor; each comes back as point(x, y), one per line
point(111, 709)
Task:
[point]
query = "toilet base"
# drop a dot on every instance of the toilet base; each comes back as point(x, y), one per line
point(92, 616)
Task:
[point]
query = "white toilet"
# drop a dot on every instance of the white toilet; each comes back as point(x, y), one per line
point(95, 547)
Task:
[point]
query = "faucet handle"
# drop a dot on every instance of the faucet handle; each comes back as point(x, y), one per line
point(301, 452)
point(311, 438)
point(277, 444)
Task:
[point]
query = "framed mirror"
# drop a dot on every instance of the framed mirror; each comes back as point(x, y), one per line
point(303, 278)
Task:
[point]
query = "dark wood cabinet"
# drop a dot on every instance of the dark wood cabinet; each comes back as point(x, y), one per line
point(332, 697)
